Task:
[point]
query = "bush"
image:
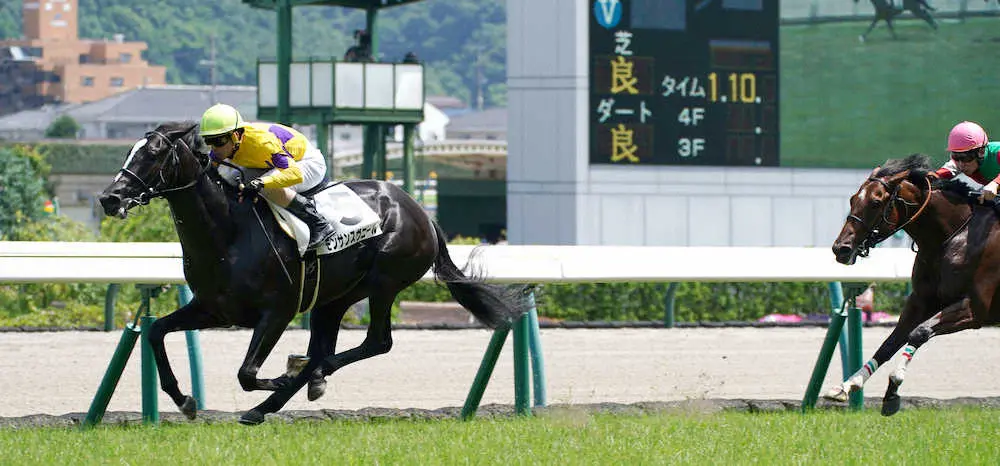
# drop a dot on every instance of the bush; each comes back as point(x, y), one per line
point(22, 190)
point(63, 127)
point(145, 224)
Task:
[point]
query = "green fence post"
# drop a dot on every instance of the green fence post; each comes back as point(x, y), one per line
point(150, 403)
point(484, 372)
point(522, 369)
point(111, 376)
point(184, 296)
point(109, 306)
point(537, 360)
point(668, 314)
point(857, 398)
point(836, 304)
point(833, 332)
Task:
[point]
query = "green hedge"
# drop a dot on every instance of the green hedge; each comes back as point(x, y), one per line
point(79, 158)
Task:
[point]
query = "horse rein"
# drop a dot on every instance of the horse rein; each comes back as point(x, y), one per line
point(874, 237)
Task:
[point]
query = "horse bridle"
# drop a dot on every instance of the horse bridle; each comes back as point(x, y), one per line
point(874, 236)
point(148, 192)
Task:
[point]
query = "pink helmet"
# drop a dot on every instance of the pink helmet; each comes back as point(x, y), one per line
point(966, 136)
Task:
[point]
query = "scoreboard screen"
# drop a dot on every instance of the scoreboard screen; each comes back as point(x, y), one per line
point(684, 82)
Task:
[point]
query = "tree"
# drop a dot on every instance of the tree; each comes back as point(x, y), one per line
point(22, 192)
point(64, 127)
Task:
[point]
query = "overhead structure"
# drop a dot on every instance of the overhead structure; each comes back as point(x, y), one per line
point(372, 94)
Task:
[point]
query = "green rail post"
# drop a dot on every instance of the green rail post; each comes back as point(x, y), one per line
point(668, 314)
point(522, 369)
point(184, 296)
point(529, 364)
point(537, 360)
point(109, 306)
point(833, 332)
point(836, 304)
point(112, 375)
point(150, 403)
point(484, 372)
point(857, 398)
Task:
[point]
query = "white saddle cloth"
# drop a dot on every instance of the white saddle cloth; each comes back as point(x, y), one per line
point(352, 219)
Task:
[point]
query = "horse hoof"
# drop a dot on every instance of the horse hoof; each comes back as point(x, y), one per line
point(252, 418)
point(890, 405)
point(189, 407)
point(317, 388)
point(836, 394)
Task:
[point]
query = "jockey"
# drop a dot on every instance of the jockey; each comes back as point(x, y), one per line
point(974, 156)
point(292, 164)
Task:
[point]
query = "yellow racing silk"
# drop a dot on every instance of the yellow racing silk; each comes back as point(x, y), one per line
point(267, 145)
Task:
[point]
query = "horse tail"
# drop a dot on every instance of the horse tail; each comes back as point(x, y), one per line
point(493, 305)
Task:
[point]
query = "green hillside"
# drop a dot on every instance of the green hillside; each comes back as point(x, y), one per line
point(446, 34)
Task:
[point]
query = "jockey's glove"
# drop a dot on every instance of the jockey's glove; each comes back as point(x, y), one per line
point(252, 188)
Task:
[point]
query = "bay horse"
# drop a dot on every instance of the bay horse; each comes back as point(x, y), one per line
point(888, 10)
point(243, 271)
point(956, 270)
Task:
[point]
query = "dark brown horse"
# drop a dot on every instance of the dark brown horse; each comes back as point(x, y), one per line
point(244, 272)
point(888, 10)
point(956, 270)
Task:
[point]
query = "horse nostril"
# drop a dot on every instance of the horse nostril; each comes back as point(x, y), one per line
point(110, 203)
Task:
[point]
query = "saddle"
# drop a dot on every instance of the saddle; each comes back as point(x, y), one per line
point(348, 214)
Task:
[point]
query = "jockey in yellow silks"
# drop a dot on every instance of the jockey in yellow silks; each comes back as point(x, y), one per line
point(291, 162)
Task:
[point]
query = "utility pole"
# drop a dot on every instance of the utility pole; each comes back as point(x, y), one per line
point(211, 64)
point(480, 100)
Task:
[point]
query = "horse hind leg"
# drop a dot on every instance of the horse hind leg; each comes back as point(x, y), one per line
point(377, 341)
point(322, 342)
point(954, 318)
point(871, 26)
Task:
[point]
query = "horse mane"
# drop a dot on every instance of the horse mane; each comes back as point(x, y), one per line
point(918, 165)
point(187, 130)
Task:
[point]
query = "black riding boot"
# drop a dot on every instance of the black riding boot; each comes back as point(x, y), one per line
point(319, 229)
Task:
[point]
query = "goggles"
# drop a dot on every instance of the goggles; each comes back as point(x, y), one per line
point(965, 156)
point(219, 140)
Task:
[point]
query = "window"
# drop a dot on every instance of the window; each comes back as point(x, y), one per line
point(125, 57)
point(87, 81)
point(117, 82)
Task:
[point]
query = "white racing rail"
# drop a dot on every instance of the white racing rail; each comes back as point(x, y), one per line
point(154, 263)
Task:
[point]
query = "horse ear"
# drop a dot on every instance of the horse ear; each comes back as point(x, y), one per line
point(874, 171)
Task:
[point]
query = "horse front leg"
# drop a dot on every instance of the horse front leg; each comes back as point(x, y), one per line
point(265, 335)
point(954, 318)
point(190, 317)
point(911, 316)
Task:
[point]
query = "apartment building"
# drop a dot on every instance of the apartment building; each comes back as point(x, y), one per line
point(68, 69)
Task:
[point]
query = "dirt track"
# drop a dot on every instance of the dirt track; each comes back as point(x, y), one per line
point(58, 373)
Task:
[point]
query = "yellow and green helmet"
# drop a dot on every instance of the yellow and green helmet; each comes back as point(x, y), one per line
point(220, 119)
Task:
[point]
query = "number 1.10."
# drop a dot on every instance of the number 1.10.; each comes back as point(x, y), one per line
point(742, 88)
